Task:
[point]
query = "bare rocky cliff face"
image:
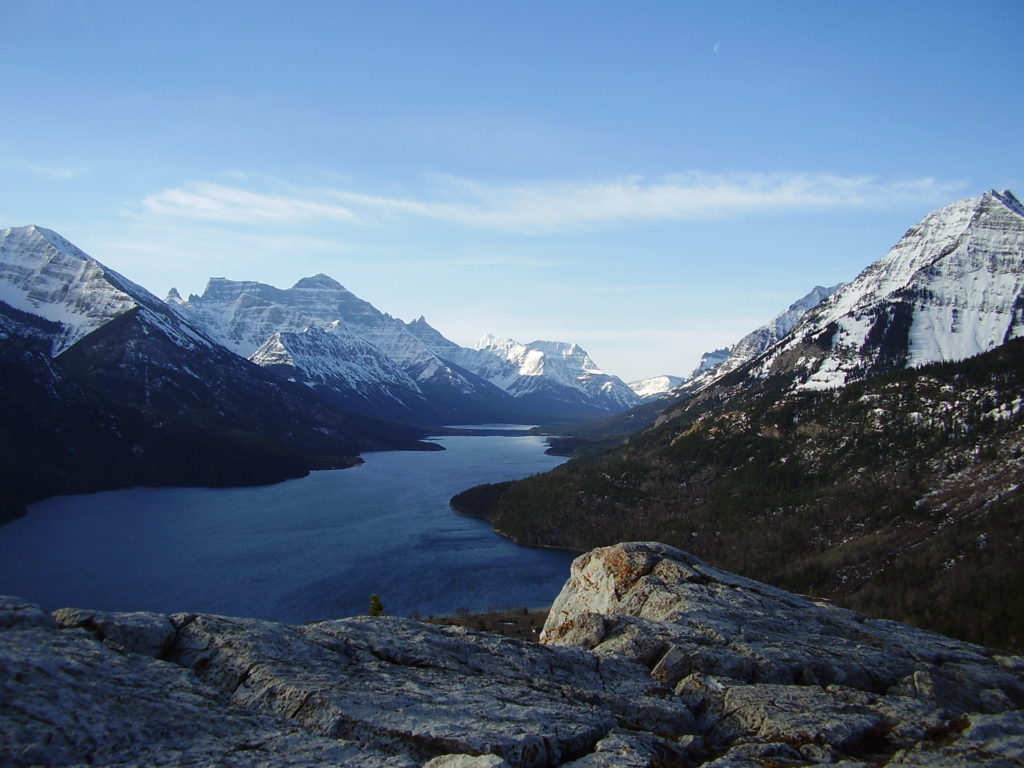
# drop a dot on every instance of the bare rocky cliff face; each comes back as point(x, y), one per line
point(650, 657)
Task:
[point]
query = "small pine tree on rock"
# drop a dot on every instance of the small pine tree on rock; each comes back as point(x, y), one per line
point(376, 609)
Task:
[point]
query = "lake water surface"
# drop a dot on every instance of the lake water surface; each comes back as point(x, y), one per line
point(303, 550)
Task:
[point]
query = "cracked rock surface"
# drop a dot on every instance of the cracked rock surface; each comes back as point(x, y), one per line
point(775, 678)
point(650, 658)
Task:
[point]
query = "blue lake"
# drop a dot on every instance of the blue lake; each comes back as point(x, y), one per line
point(303, 550)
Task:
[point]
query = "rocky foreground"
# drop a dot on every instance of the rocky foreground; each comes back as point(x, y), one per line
point(650, 657)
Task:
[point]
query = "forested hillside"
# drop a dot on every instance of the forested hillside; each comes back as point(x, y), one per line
point(899, 496)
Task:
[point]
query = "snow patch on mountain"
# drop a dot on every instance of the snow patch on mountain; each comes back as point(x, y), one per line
point(655, 386)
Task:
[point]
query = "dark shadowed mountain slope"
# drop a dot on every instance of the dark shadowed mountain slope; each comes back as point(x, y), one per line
point(105, 385)
point(900, 496)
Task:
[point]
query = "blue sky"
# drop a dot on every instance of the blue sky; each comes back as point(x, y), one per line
point(648, 179)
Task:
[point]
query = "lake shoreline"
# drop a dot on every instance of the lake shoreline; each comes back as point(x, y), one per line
point(305, 549)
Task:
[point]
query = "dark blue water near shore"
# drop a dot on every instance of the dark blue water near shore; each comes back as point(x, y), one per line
point(303, 550)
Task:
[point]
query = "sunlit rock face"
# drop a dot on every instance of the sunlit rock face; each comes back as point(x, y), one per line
point(770, 673)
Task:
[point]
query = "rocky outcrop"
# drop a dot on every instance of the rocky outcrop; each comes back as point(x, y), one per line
point(651, 658)
point(771, 674)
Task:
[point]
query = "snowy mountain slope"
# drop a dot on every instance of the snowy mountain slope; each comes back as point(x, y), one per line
point(493, 369)
point(718, 363)
point(558, 372)
point(655, 386)
point(760, 339)
point(951, 288)
point(301, 328)
point(503, 380)
point(370, 354)
point(354, 370)
point(45, 275)
point(710, 360)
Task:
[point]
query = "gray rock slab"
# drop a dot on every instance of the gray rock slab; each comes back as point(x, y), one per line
point(466, 761)
point(994, 741)
point(18, 613)
point(651, 658)
point(150, 634)
point(67, 699)
point(758, 665)
point(404, 687)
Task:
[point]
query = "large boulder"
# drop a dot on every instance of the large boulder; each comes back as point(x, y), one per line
point(758, 664)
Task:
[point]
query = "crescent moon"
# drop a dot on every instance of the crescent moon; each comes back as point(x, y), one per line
point(715, 47)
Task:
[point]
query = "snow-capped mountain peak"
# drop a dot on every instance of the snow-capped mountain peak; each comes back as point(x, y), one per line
point(952, 287)
point(46, 275)
point(523, 369)
point(655, 386)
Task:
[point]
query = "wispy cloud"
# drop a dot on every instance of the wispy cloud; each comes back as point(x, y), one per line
point(48, 171)
point(215, 202)
point(11, 159)
point(57, 171)
point(557, 206)
point(163, 254)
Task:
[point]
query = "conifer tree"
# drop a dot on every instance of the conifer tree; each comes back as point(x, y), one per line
point(376, 609)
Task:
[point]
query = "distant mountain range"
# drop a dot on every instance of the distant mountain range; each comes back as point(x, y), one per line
point(721, 361)
point(869, 447)
point(655, 386)
point(107, 385)
point(320, 334)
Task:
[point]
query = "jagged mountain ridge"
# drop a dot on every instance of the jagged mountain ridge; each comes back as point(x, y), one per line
point(106, 385)
point(560, 363)
point(658, 392)
point(308, 334)
point(952, 287)
point(553, 379)
point(949, 289)
point(719, 362)
point(411, 371)
point(319, 333)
